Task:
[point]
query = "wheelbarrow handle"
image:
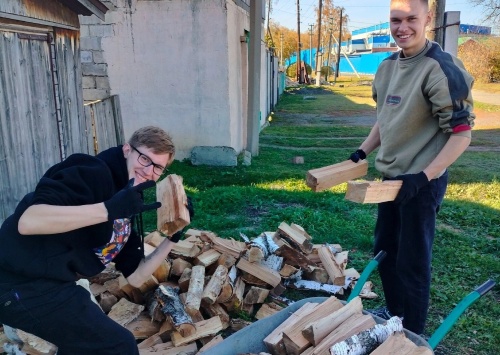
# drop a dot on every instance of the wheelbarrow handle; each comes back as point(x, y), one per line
point(449, 321)
point(486, 287)
point(366, 272)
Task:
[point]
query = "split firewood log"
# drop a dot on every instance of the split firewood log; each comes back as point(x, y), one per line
point(173, 214)
point(355, 324)
point(195, 290)
point(399, 344)
point(202, 329)
point(295, 237)
point(173, 309)
point(316, 331)
point(274, 340)
point(125, 311)
point(372, 191)
point(214, 286)
point(294, 340)
point(331, 175)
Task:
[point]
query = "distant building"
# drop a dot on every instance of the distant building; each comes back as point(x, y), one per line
point(369, 46)
point(370, 39)
point(473, 29)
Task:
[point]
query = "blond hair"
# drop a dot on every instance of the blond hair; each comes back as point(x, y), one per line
point(153, 138)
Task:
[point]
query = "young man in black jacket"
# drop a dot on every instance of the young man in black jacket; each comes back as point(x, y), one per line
point(79, 218)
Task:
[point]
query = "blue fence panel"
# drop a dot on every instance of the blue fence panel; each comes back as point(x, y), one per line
point(364, 63)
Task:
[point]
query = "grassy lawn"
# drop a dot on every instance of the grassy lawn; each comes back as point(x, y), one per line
point(257, 198)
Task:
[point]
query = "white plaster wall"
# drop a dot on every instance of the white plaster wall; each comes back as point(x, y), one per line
point(238, 21)
point(168, 61)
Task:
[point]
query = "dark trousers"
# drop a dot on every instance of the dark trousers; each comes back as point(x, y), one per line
point(66, 317)
point(406, 233)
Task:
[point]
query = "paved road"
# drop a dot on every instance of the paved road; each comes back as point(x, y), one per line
point(486, 97)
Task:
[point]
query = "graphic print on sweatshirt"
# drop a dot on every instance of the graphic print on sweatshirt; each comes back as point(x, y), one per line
point(121, 232)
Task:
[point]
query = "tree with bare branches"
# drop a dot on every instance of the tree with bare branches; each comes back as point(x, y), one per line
point(491, 9)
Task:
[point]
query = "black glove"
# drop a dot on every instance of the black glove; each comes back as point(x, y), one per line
point(357, 155)
point(176, 236)
point(190, 207)
point(411, 184)
point(127, 202)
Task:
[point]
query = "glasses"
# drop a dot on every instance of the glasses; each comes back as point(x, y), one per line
point(146, 161)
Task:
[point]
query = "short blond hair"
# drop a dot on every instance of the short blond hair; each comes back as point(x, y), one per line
point(154, 138)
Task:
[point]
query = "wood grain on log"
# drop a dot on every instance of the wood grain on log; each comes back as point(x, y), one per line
point(331, 175)
point(372, 191)
point(173, 214)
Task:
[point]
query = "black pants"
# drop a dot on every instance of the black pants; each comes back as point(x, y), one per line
point(66, 317)
point(406, 233)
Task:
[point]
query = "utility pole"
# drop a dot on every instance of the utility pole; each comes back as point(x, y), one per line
point(281, 52)
point(339, 45)
point(318, 64)
point(299, 71)
point(436, 27)
point(310, 45)
point(329, 50)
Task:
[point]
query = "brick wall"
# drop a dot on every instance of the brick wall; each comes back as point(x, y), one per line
point(94, 67)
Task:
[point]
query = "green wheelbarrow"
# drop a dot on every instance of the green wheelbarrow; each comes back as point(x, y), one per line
point(251, 338)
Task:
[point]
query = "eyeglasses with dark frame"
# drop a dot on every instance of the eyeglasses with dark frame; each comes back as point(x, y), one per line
point(146, 161)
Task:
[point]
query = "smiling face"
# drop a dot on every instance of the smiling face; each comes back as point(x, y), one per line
point(408, 20)
point(143, 154)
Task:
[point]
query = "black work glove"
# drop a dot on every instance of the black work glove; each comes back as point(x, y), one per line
point(412, 183)
point(176, 236)
point(357, 155)
point(128, 201)
point(190, 207)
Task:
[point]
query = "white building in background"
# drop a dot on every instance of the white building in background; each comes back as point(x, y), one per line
point(179, 65)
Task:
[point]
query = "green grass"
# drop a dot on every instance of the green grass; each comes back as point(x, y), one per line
point(257, 198)
point(328, 100)
point(487, 107)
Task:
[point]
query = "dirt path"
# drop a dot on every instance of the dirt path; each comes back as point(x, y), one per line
point(486, 97)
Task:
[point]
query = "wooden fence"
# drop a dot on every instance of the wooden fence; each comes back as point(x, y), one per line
point(106, 122)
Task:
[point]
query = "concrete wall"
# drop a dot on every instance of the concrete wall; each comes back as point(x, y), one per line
point(176, 64)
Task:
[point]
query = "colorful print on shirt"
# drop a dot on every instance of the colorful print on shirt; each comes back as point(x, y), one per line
point(121, 232)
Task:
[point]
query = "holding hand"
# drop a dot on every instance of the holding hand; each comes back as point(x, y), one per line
point(128, 201)
point(357, 155)
point(412, 183)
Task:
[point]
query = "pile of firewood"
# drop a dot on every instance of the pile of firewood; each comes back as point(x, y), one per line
point(334, 328)
point(188, 300)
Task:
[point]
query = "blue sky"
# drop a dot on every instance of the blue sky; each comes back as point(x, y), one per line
point(362, 13)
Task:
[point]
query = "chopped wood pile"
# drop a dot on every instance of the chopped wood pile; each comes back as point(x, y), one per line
point(334, 328)
point(188, 300)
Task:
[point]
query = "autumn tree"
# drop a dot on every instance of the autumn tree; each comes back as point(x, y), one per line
point(282, 37)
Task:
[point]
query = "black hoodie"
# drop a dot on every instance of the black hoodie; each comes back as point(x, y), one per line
point(80, 179)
